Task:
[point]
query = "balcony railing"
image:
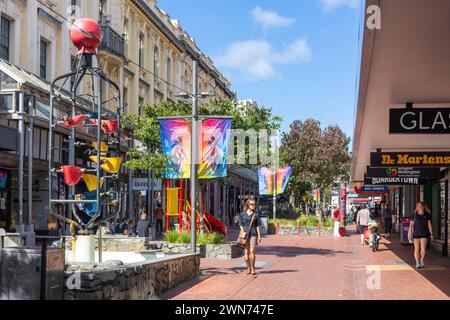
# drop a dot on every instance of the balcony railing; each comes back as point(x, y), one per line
point(112, 42)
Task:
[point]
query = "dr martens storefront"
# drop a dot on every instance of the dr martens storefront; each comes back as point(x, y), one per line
point(402, 130)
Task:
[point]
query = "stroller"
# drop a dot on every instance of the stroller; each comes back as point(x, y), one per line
point(375, 241)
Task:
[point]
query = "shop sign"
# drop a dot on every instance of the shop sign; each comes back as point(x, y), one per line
point(141, 184)
point(393, 181)
point(370, 189)
point(420, 120)
point(410, 159)
point(403, 172)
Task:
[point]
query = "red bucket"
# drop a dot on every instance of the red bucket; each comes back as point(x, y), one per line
point(110, 126)
point(74, 121)
point(72, 174)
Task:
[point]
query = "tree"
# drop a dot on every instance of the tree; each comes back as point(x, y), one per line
point(145, 127)
point(318, 157)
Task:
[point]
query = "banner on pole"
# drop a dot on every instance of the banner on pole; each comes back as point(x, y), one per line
point(282, 178)
point(176, 145)
point(214, 140)
point(266, 176)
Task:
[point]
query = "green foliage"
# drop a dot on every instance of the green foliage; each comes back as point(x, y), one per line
point(171, 236)
point(145, 127)
point(184, 237)
point(317, 156)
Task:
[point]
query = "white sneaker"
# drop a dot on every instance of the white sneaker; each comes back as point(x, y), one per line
point(418, 265)
point(422, 264)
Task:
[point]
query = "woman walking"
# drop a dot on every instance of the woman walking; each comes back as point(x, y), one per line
point(420, 230)
point(249, 223)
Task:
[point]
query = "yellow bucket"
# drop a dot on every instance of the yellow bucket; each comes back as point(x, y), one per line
point(103, 147)
point(91, 181)
point(111, 165)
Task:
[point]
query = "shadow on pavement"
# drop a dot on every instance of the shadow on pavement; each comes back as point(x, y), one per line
point(437, 276)
point(286, 251)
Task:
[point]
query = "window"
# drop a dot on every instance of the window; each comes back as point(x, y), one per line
point(4, 38)
point(141, 49)
point(43, 60)
point(73, 4)
point(169, 69)
point(125, 100)
point(141, 102)
point(101, 9)
point(156, 61)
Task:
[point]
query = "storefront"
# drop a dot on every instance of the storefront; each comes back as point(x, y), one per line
point(403, 112)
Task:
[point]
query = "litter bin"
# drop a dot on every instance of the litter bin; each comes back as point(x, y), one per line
point(31, 273)
point(404, 230)
point(264, 224)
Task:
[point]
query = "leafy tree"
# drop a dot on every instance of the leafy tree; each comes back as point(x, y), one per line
point(318, 157)
point(145, 127)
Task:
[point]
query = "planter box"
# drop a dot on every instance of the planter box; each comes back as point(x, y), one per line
point(136, 281)
point(224, 251)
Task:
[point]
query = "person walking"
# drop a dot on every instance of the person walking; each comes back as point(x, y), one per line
point(362, 221)
point(249, 223)
point(142, 226)
point(420, 230)
point(336, 218)
point(159, 215)
point(387, 219)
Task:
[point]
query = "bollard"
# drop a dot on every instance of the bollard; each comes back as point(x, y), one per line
point(298, 227)
point(319, 230)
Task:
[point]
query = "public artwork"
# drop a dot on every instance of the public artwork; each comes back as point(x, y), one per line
point(266, 176)
point(176, 145)
point(214, 140)
point(265, 180)
point(282, 178)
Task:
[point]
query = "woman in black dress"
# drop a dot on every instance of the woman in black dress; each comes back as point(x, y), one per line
point(249, 223)
point(421, 230)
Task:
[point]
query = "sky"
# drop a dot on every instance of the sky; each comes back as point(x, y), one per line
point(299, 57)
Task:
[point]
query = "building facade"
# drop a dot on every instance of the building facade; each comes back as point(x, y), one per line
point(403, 80)
point(145, 52)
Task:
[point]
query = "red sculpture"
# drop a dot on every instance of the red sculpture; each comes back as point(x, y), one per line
point(86, 35)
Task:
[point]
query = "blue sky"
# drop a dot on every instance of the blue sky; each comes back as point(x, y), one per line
point(299, 57)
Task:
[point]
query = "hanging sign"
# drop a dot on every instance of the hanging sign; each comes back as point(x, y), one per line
point(214, 141)
point(404, 172)
point(176, 145)
point(410, 159)
point(420, 120)
point(141, 184)
point(393, 181)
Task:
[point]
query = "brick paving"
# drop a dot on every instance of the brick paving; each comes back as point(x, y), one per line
point(293, 267)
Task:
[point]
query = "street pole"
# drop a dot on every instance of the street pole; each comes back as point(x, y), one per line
point(194, 151)
point(274, 193)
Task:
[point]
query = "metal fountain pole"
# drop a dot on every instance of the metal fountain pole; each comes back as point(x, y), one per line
point(194, 158)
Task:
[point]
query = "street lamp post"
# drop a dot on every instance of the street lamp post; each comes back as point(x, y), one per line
point(194, 158)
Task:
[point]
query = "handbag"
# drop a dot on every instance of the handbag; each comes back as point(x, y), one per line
point(242, 238)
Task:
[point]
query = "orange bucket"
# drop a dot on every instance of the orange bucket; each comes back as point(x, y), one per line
point(72, 174)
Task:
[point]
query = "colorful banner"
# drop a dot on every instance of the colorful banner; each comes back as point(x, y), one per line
point(214, 140)
point(176, 145)
point(266, 176)
point(265, 181)
point(282, 178)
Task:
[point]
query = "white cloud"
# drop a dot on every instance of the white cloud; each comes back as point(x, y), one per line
point(328, 5)
point(270, 18)
point(257, 59)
